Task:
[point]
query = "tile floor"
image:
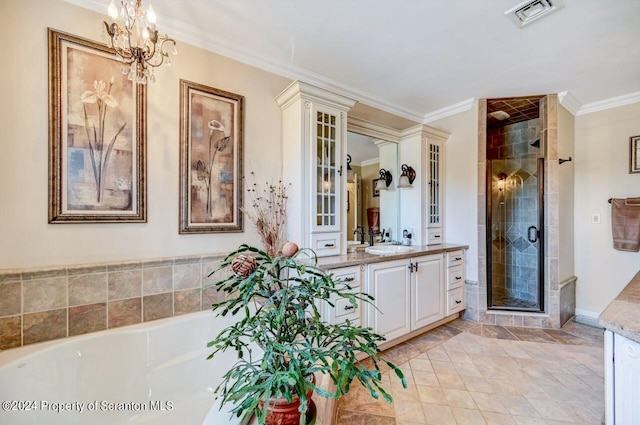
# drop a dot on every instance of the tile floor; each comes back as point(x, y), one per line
point(466, 373)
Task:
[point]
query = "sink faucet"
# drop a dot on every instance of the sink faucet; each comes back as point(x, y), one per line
point(372, 235)
point(360, 231)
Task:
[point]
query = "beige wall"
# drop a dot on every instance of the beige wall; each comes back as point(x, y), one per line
point(566, 149)
point(27, 239)
point(461, 187)
point(602, 172)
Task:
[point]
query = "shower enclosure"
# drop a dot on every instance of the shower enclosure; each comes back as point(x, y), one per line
point(515, 215)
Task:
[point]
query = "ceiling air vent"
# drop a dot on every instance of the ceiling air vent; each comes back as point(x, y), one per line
point(532, 10)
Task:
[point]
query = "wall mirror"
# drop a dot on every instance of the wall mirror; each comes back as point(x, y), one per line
point(366, 206)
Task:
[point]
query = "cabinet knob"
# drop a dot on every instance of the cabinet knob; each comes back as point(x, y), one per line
point(458, 277)
point(348, 307)
point(329, 245)
point(631, 349)
point(458, 258)
point(458, 301)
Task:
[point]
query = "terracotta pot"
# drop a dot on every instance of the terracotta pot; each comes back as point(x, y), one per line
point(281, 412)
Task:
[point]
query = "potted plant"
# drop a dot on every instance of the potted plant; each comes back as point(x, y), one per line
point(279, 298)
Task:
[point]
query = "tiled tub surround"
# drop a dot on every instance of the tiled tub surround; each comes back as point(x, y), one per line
point(49, 303)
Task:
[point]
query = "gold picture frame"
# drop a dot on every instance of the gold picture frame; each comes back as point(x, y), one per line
point(97, 135)
point(211, 149)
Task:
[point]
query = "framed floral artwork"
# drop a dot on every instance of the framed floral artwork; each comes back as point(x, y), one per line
point(211, 139)
point(97, 135)
point(634, 154)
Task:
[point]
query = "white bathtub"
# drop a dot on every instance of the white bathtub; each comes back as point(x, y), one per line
point(157, 371)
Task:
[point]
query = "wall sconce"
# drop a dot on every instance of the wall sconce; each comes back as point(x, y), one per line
point(407, 177)
point(350, 176)
point(502, 180)
point(384, 181)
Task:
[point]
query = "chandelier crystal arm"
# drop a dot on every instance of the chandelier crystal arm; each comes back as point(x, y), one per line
point(136, 41)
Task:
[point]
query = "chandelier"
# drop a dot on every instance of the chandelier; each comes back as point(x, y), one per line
point(136, 40)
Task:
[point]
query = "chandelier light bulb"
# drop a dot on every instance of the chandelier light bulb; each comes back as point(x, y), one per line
point(112, 10)
point(151, 16)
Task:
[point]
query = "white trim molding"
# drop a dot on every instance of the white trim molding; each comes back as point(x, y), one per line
point(569, 101)
point(587, 317)
point(456, 108)
point(613, 102)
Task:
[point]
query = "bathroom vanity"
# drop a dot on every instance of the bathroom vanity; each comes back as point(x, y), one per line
point(414, 291)
point(621, 320)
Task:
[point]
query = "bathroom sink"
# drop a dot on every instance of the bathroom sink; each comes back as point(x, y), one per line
point(387, 249)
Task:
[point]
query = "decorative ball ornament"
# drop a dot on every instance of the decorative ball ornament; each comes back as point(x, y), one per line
point(243, 265)
point(289, 249)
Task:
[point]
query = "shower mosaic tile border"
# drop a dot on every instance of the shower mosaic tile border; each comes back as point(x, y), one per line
point(42, 304)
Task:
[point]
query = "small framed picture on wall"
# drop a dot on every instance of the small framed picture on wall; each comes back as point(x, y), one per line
point(634, 154)
point(375, 192)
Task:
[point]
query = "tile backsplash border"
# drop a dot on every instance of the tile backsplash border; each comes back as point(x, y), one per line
point(46, 303)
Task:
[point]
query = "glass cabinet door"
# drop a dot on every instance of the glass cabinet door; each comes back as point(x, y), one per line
point(434, 198)
point(328, 171)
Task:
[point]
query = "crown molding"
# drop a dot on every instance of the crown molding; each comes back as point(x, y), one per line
point(612, 102)
point(360, 126)
point(456, 108)
point(197, 38)
point(425, 131)
point(569, 101)
point(191, 35)
point(370, 162)
point(299, 89)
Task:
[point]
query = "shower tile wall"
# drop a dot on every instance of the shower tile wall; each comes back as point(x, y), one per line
point(513, 152)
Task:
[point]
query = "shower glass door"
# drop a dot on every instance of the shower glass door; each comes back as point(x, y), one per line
point(515, 228)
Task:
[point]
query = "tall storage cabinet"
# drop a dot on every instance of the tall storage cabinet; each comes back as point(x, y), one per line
point(314, 126)
point(423, 148)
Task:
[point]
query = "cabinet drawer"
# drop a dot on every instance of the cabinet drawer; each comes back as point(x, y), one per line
point(326, 244)
point(455, 300)
point(455, 258)
point(455, 278)
point(344, 310)
point(434, 236)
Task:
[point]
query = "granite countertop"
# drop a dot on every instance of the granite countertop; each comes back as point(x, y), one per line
point(622, 315)
point(361, 257)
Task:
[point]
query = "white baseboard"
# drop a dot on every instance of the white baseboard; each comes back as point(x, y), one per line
point(587, 317)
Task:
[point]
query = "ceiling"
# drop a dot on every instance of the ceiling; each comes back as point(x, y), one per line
point(421, 59)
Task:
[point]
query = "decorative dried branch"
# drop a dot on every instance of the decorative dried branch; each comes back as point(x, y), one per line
point(269, 213)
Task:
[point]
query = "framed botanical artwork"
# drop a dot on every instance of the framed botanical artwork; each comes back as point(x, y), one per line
point(97, 135)
point(374, 192)
point(634, 154)
point(211, 139)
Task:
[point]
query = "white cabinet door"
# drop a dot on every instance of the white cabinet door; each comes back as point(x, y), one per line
point(427, 290)
point(326, 168)
point(626, 380)
point(389, 283)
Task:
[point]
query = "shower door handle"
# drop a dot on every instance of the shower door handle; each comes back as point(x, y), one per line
point(532, 234)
